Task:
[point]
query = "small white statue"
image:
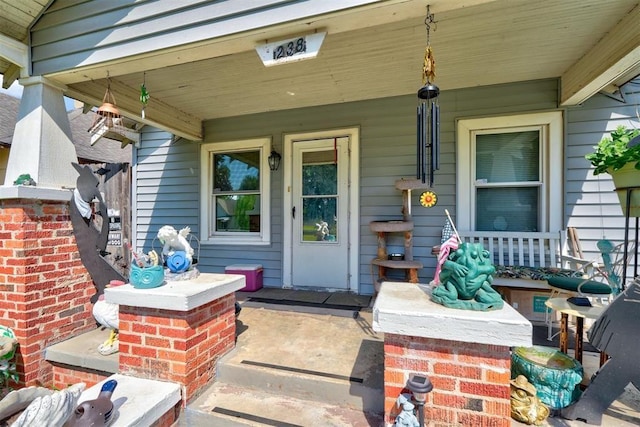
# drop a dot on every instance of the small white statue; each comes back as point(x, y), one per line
point(406, 418)
point(323, 230)
point(175, 241)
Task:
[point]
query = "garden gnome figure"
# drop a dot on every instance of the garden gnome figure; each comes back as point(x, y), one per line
point(406, 418)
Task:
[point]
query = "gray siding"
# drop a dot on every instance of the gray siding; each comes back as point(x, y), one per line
point(167, 181)
point(387, 153)
point(591, 205)
point(79, 32)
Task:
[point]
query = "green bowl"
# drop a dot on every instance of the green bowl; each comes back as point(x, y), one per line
point(7, 332)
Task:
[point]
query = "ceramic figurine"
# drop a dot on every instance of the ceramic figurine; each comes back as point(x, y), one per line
point(96, 412)
point(465, 280)
point(107, 315)
point(526, 407)
point(406, 418)
point(173, 241)
point(51, 410)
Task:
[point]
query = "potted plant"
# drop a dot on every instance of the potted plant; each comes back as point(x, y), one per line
point(616, 156)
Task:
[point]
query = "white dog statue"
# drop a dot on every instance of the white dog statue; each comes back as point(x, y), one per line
point(175, 241)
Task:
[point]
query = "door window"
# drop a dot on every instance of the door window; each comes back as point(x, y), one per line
point(319, 197)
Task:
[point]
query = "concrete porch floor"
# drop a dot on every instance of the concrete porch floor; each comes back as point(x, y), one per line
point(332, 340)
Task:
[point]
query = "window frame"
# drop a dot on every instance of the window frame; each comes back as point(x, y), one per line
point(551, 156)
point(207, 229)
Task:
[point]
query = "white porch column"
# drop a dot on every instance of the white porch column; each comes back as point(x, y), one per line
point(41, 144)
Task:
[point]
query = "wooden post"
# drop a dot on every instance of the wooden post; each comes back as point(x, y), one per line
point(382, 245)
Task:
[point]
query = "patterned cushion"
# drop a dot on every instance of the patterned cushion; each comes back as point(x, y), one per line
point(531, 273)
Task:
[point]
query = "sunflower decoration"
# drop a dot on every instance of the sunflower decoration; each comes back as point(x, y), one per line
point(428, 199)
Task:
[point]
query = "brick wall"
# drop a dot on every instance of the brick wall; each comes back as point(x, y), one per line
point(44, 288)
point(64, 376)
point(470, 381)
point(177, 346)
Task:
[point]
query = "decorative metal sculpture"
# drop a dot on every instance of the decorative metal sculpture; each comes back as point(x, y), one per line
point(465, 280)
point(91, 239)
point(614, 334)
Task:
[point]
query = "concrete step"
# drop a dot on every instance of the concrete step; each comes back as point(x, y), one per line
point(363, 390)
point(296, 368)
point(239, 406)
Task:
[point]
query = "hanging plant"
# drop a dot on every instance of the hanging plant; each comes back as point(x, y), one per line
point(612, 153)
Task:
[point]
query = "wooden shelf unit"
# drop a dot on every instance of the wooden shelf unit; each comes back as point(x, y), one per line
point(404, 226)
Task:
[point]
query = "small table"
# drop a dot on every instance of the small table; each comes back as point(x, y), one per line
point(565, 308)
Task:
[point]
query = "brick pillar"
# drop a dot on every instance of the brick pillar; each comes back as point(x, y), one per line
point(178, 346)
point(470, 381)
point(44, 288)
point(465, 353)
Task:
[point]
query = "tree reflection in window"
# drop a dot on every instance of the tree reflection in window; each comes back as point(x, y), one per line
point(237, 191)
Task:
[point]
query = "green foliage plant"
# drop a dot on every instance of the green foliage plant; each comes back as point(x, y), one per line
point(7, 373)
point(612, 152)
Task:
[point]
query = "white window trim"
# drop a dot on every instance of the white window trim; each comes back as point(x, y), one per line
point(552, 144)
point(206, 151)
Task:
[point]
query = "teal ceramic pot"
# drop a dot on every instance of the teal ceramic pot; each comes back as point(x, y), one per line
point(554, 374)
point(147, 277)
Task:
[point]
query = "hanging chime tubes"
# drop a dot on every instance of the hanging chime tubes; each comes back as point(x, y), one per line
point(428, 115)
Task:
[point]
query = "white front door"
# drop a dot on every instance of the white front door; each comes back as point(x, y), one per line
point(320, 213)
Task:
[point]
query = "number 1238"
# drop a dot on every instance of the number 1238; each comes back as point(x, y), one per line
point(291, 48)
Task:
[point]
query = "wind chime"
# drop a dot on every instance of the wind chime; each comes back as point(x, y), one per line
point(428, 126)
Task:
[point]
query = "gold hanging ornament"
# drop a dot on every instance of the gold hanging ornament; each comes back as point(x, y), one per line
point(429, 66)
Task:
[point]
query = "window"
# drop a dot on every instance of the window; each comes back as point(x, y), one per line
point(509, 174)
point(235, 192)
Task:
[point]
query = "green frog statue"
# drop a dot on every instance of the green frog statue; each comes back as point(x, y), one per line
point(465, 280)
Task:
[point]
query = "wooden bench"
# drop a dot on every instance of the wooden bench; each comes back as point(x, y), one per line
point(522, 259)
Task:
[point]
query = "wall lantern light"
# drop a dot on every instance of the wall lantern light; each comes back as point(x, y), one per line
point(274, 160)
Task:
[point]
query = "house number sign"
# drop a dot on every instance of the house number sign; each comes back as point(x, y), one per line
point(290, 50)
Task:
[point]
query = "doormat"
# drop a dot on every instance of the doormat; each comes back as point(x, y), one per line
point(329, 300)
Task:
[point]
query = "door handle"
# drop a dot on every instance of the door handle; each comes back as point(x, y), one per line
point(293, 212)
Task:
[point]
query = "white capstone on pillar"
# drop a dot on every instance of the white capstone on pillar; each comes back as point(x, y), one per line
point(42, 146)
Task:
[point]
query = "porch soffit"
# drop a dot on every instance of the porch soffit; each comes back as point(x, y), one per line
point(15, 19)
point(369, 53)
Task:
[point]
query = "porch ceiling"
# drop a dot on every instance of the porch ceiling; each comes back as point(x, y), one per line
point(377, 51)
